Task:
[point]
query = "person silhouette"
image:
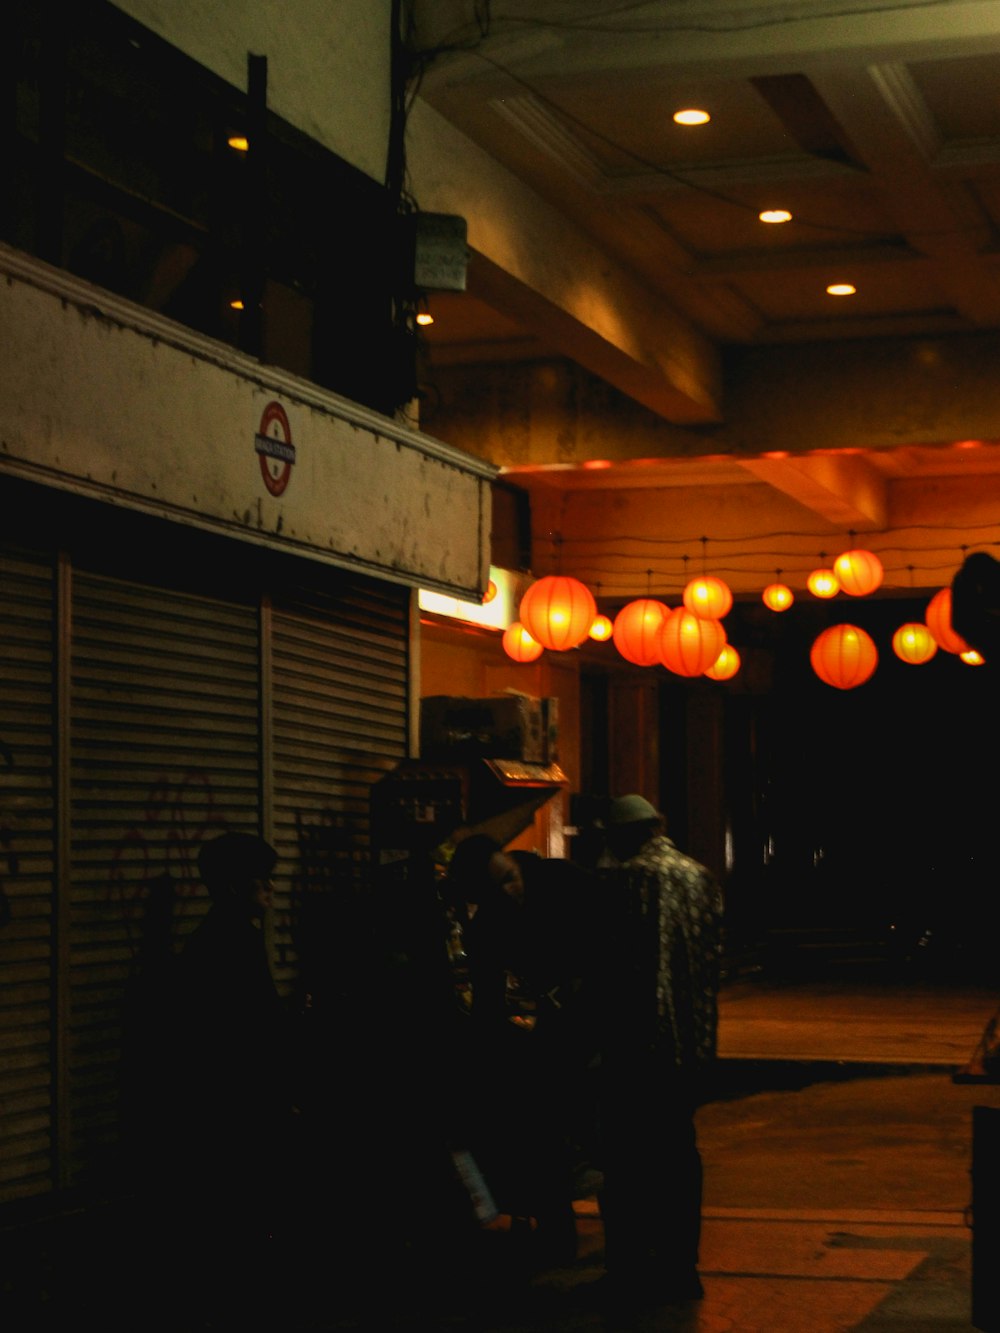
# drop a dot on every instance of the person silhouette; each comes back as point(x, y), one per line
point(230, 1154)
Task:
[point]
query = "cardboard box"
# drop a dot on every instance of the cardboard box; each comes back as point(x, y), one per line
point(507, 726)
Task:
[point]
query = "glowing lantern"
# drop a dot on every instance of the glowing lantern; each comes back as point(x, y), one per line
point(490, 593)
point(823, 583)
point(939, 623)
point(778, 597)
point(518, 643)
point(726, 664)
point(637, 628)
point(690, 644)
point(972, 658)
point(844, 656)
point(558, 612)
point(708, 597)
point(858, 572)
point(914, 643)
point(601, 629)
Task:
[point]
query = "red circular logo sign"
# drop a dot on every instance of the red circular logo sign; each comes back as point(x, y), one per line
point(275, 450)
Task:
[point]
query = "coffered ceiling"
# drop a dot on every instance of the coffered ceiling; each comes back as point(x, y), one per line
point(769, 405)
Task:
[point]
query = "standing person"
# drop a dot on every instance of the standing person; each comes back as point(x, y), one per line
point(658, 1015)
point(231, 1096)
point(525, 930)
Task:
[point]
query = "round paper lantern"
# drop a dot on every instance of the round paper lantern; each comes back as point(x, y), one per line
point(558, 612)
point(858, 572)
point(690, 644)
point(636, 630)
point(726, 664)
point(914, 643)
point(823, 583)
point(777, 596)
point(601, 629)
point(939, 623)
point(844, 656)
point(518, 643)
point(709, 597)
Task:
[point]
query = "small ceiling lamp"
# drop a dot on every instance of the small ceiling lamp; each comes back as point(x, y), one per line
point(602, 628)
point(823, 582)
point(690, 644)
point(841, 289)
point(709, 597)
point(972, 658)
point(691, 116)
point(844, 656)
point(914, 643)
point(637, 628)
point(858, 572)
point(725, 665)
point(518, 643)
point(558, 612)
point(777, 596)
point(938, 619)
point(774, 215)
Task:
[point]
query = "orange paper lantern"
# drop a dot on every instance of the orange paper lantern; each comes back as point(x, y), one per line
point(558, 612)
point(823, 583)
point(858, 572)
point(690, 644)
point(726, 664)
point(708, 597)
point(939, 623)
point(601, 629)
point(844, 656)
point(777, 596)
point(518, 643)
point(914, 643)
point(636, 630)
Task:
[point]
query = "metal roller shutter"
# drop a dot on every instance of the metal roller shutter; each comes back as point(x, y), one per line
point(339, 671)
point(27, 873)
point(165, 749)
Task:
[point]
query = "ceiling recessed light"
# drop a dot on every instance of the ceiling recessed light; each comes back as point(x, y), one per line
point(841, 289)
point(238, 142)
point(691, 116)
point(775, 215)
point(425, 317)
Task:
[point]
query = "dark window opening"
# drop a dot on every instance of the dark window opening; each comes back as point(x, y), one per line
point(119, 169)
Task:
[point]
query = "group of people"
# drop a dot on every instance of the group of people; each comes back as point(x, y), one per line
point(588, 1002)
point(618, 969)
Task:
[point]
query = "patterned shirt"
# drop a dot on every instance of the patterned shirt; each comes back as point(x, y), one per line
point(669, 912)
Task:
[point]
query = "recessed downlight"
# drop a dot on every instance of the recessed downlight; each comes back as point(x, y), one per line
point(691, 116)
point(841, 289)
point(775, 215)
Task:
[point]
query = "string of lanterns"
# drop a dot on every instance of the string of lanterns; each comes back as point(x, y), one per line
point(558, 612)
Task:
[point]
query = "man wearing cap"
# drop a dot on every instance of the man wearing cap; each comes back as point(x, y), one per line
point(658, 1034)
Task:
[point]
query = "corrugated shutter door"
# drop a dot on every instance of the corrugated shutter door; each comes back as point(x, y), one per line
point(165, 750)
point(27, 873)
point(339, 669)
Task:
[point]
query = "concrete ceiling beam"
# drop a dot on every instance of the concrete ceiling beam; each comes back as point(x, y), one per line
point(534, 265)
